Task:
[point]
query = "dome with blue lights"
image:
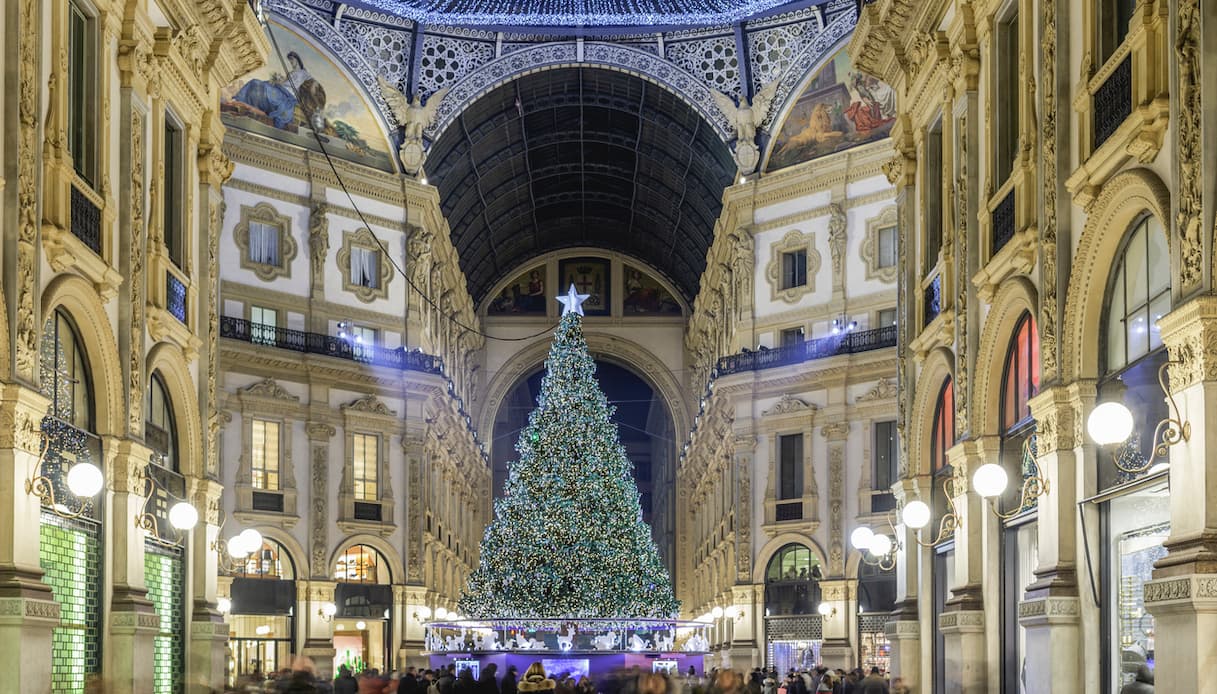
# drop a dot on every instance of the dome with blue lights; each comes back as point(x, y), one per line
point(554, 14)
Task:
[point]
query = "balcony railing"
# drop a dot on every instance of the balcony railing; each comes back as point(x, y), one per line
point(819, 348)
point(86, 221)
point(932, 300)
point(329, 345)
point(1003, 222)
point(1112, 102)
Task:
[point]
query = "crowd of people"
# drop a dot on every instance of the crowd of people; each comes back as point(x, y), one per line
point(302, 678)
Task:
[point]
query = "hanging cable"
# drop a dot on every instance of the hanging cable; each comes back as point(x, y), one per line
point(383, 248)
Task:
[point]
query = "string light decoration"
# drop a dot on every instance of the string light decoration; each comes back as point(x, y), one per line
point(568, 540)
point(576, 13)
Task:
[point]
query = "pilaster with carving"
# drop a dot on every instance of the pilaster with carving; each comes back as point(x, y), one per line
point(836, 433)
point(319, 435)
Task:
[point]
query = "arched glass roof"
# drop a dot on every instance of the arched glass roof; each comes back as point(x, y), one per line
point(571, 14)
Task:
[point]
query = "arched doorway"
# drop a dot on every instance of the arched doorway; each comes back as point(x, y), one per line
point(644, 425)
point(262, 625)
point(364, 598)
point(793, 627)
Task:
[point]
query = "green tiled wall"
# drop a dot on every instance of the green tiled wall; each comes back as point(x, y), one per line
point(163, 572)
point(70, 556)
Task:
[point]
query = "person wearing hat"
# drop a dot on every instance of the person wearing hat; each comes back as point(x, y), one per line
point(535, 680)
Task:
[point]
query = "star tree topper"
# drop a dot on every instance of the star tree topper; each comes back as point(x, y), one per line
point(573, 301)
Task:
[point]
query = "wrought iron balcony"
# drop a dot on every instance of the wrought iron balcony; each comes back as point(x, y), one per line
point(932, 300)
point(819, 348)
point(1112, 102)
point(86, 221)
point(1003, 222)
point(329, 345)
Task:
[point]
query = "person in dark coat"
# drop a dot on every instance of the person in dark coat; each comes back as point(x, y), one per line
point(465, 684)
point(345, 683)
point(872, 684)
point(408, 684)
point(1143, 683)
point(508, 685)
point(487, 682)
point(446, 680)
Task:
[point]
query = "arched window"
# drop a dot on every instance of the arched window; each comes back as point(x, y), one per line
point(271, 561)
point(1021, 377)
point(64, 373)
point(160, 430)
point(792, 582)
point(1138, 296)
point(361, 564)
point(944, 426)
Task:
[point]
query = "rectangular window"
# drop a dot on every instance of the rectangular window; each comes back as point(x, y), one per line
point(264, 456)
point(887, 317)
point(175, 241)
point(794, 269)
point(264, 243)
point(887, 468)
point(792, 337)
point(1006, 90)
point(790, 467)
point(887, 247)
point(1113, 19)
point(262, 323)
point(933, 196)
point(363, 336)
point(365, 267)
point(364, 462)
point(82, 91)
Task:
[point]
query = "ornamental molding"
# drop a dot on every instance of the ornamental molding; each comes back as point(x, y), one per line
point(364, 239)
point(788, 404)
point(369, 404)
point(268, 388)
point(886, 219)
point(265, 213)
point(319, 431)
point(884, 389)
point(794, 240)
point(902, 629)
point(1034, 610)
point(962, 620)
point(1199, 587)
point(836, 431)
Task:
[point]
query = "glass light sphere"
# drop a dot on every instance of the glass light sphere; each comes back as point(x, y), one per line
point(916, 514)
point(424, 612)
point(361, 625)
point(441, 613)
point(224, 605)
point(706, 618)
point(252, 540)
point(262, 630)
point(329, 609)
point(84, 479)
point(237, 548)
point(880, 545)
point(861, 536)
point(1110, 423)
point(990, 480)
point(717, 612)
point(732, 612)
point(824, 609)
point(183, 516)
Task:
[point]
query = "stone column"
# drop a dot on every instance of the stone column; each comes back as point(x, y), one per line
point(207, 648)
point(963, 620)
point(28, 610)
point(837, 651)
point(319, 642)
point(133, 618)
point(903, 627)
point(744, 653)
point(1051, 610)
point(1183, 595)
point(412, 640)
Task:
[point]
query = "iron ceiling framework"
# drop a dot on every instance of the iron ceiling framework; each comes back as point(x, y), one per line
point(580, 157)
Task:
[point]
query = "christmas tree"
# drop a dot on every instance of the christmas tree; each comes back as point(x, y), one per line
point(568, 539)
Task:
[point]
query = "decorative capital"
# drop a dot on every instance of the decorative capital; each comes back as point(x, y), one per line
point(1190, 334)
point(370, 404)
point(268, 388)
point(836, 431)
point(319, 431)
point(788, 404)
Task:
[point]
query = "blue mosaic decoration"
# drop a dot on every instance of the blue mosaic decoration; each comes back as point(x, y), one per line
point(576, 13)
point(175, 297)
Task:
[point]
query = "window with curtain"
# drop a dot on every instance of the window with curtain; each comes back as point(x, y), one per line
point(264, 454)
point(794, 269)
point(887, 247)
point(262, 323)
point(365, 449)
point(264, 243)
point(64, 373)
point(365, 267)
point(1021, 377)
point(887, 316)
point(790, 462)
point(159, 428)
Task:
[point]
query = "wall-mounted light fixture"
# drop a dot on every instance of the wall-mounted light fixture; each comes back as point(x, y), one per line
point(84, 481)
point(1111, 424)
point(327, 611)
point(990, 481)
point(827, 611)
point(422, 614)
